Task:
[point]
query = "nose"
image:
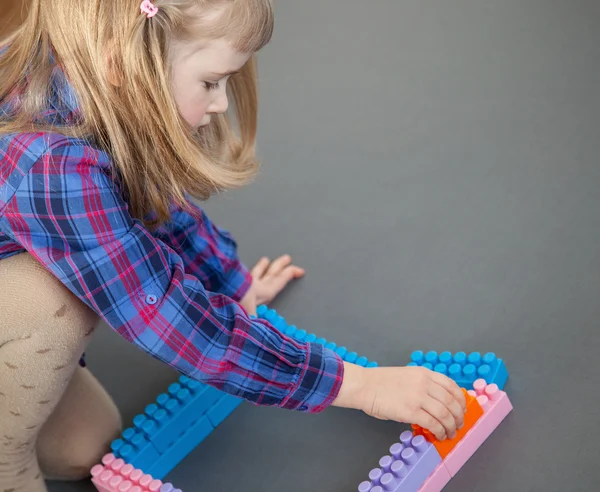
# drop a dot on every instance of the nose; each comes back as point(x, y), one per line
point(219, 104)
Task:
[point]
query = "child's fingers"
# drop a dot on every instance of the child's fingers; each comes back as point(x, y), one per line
point(296, 271)
point(448, 402)
point(452, 387)
point(271, 285)
point(277, 283)
point(440, 413)
point(261, 267)
point(279, 264)
point(288, 274)
point(427, 421)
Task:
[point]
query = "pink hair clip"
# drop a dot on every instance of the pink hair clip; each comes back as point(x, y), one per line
point(148, 8)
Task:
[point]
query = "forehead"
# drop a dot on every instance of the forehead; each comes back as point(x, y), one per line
point(216, 55)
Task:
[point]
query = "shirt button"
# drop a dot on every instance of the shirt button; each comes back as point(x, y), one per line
point(151, 299)
point(303, 408)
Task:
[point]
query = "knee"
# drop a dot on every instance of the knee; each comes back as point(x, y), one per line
point(78, 466)
point(79, 432)
point(80, 451)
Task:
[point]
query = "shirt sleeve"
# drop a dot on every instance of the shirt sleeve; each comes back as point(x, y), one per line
point(208, 252)
point(68, 214)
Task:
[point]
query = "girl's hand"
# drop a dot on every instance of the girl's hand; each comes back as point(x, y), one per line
point(414, 395)
point(268, 280)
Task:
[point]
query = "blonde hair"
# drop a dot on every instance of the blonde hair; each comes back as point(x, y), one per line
point(159, 158)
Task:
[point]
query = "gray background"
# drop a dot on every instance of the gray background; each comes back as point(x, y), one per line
point(433, 165)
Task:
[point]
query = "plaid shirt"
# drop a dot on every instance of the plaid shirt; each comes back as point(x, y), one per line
point(172, 292)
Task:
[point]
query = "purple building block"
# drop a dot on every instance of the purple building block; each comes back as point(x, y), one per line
point(167, 487)
point(437, 480)
point(407, 467)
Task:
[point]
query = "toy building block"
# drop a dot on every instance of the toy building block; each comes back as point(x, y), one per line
point(173, 425)
point(222, 408)
point(194, 435)
point(135, 449)
point(437, 480)
point(473, 413)
point(463, 368)
point(410, 463)
point(174, 411)
point(167, 487)
point(114, 475)
point(186, 443)
point(302, 336)
point(496, 406)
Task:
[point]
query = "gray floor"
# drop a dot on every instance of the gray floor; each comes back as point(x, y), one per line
point(434, 167)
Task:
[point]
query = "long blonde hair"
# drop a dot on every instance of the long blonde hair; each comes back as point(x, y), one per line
point(158, 157)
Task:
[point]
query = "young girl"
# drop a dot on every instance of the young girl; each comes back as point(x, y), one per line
point(112, 120)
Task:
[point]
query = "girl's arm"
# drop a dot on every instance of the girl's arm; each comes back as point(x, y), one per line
point(66, 212)
point(208, 252)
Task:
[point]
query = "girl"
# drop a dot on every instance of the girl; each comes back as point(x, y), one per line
point(113, 119)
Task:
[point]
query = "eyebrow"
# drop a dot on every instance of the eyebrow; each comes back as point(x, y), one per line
point(224, 74)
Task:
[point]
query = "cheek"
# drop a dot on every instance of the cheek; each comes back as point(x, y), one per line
point(192, 101)
point(193, 110)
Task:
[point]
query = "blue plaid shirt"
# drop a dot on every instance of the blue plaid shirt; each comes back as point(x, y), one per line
point(173, 292)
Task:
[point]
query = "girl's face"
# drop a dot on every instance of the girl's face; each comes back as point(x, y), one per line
point(200, 74)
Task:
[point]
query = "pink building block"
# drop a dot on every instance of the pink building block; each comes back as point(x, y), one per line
point(496, 406)
point(437, 480)
point(114, 475)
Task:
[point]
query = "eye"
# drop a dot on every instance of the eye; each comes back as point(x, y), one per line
point(211, 86)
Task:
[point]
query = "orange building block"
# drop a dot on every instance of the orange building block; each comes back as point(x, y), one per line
point(473, 413)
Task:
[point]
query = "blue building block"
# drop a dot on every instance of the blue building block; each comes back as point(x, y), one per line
point(407, 467)
point(134, 448)
point(222, 409)
point(302, 336)
point(173, 412)
point(499, 374)
point(462, 368)
point(186, 443)
point(194, 435)
point(164, 422)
